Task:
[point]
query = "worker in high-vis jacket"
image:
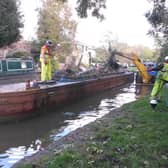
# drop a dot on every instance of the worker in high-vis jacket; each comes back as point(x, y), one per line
point(161, 79)
point(45, 59)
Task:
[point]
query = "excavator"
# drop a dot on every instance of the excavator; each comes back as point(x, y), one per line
point(147, 78)
point(142, 69)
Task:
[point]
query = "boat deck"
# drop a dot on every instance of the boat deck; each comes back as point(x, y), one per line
point(19, 87)
point(12, 87)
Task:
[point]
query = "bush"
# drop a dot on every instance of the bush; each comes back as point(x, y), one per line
point(18, 54)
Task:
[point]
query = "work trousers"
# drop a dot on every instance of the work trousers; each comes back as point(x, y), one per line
point(157, 88)
point(46, 72)
point(161, 79)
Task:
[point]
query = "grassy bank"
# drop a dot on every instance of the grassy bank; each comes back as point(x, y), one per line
point(138, 139)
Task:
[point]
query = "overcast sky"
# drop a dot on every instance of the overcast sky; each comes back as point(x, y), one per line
point(124, 18)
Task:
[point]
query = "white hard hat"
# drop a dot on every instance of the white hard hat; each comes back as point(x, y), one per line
point(153, 101)
point(166, 58)
point(49, 42)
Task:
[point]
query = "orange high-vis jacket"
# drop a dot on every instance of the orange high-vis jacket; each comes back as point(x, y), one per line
point(45, 52)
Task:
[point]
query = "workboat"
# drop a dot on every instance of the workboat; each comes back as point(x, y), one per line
point(16, 69)
point(11, 66)
point(19, 100)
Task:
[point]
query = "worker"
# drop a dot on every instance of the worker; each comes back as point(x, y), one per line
point(45, 59)
point(161, 79)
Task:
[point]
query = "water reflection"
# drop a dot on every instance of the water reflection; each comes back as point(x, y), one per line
point(20, 139)
point(142, 90)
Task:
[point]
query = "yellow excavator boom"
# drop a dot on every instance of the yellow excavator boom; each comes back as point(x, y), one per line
point(146, 78)
point(142, 69)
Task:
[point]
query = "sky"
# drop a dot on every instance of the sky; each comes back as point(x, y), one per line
point(124, 19)
point(28, 8)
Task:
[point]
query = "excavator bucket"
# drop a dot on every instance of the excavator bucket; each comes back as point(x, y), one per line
point(141, 68)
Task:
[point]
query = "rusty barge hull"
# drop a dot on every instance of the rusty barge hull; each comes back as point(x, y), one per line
point(27, 102)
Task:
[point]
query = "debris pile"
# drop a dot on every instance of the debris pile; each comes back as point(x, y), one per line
point(109, 67)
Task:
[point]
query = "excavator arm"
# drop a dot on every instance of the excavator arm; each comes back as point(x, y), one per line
point(146, 78)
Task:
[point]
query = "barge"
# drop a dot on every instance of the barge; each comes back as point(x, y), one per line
point(17, 101)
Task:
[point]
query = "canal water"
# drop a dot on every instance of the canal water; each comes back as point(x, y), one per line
point(26, 137)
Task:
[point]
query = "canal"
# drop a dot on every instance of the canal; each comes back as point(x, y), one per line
point(24, 138)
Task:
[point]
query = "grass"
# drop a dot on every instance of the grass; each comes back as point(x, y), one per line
point(139, 139)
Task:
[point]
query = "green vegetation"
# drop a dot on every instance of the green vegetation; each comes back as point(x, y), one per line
point(18, 54)
point(137, 139)
point(55, 22)
point(10, 22)
point(157, 17)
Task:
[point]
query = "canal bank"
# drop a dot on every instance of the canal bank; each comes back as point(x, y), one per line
point(74, 140)
point(134, 135)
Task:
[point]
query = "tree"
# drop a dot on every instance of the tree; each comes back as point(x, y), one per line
point(147, 54)
point(55, 23)
point(94, 6)
point(158, 18)
point(10, 22)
